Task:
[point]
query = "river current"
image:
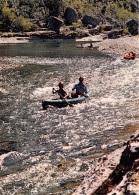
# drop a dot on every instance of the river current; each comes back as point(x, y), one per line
point(55, 148)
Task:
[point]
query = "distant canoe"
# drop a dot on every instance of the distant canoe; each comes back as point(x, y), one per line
point(64, 102)
point(87, 47)
point(131, 56)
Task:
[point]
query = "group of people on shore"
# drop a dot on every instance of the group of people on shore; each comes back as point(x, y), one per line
point(81, 90)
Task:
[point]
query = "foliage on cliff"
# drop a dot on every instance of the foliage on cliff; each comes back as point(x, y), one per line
point(27, 11)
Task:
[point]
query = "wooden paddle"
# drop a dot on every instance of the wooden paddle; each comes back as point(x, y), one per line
point(63, 99)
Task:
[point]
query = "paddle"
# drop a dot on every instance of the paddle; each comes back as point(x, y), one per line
point(62, 97)
point(83, 94)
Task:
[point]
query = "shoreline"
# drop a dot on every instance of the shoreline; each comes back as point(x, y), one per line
point(119, 46)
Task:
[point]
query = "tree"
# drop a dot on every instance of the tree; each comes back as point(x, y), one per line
point(7, 17)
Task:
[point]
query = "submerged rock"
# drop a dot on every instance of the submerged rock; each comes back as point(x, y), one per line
point(6, 147)
point(116, 173)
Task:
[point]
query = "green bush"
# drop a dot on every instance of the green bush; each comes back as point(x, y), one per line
point(22, 25)
point(7, 17)
point(121, 14)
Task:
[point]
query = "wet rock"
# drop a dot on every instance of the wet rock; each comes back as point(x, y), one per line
point(70, 16)
point(89, 20)
point(117, 174)
point(132, 26)
point(55, 24)
point(84, 167)
point(6, 147)
point(11, 162)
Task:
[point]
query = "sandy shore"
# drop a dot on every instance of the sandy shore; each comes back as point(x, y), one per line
point(120, 46)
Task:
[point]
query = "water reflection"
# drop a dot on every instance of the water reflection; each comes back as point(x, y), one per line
point(47, 49)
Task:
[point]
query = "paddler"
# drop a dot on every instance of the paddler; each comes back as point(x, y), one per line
point(81, 89)
point(61, 92)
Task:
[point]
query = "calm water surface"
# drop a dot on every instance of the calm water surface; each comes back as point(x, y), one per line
point(56, 147)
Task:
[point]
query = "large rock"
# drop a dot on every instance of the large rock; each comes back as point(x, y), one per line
point(55, 24)
point(108, 27)
point(115, 173)
point(132, 26)
point(70, 16)
point(89, 20)
point(115, 34)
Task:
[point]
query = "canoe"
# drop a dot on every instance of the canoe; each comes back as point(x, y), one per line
point(64, 102)
point(131, 55)
point(87, 47)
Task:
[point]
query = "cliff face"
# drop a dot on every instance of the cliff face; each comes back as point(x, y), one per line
point(116, 173)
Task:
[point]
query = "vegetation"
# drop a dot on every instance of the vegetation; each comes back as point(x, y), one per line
point(119, 13)
point(23, 15)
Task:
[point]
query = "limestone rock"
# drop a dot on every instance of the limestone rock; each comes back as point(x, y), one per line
point(89, 20)
point(115, 34)
point(70, 16)
point(55, 24)
point(132, 26)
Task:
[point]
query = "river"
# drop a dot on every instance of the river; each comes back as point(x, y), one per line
point(55, 148)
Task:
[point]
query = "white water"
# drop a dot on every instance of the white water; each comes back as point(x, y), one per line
point(56, 147)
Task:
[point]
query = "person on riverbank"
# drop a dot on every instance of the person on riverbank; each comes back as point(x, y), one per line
point(61, 92)
point(81, 89)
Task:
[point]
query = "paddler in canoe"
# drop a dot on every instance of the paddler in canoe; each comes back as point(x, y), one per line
point(78, 97)
point(61, 92)
point(81, 89)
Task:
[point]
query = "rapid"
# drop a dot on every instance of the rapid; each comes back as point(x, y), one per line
point(55, 148)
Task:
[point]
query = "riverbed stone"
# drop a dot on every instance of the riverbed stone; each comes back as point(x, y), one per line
point(6, 147)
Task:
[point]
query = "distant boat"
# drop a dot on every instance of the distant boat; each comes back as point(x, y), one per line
point(87, 46)
point(129, 56)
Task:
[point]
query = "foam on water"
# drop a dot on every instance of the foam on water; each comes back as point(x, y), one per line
point(56, 146)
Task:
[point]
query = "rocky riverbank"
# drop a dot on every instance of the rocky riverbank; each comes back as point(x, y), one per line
point(120, 45)
point(115, 173)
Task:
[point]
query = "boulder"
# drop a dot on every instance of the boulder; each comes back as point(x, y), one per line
point(55, 24)
point(89, 20)
point(108, 27)
point(132, 26)
point(114, 173)
point(70, 16)
point(115, 34)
